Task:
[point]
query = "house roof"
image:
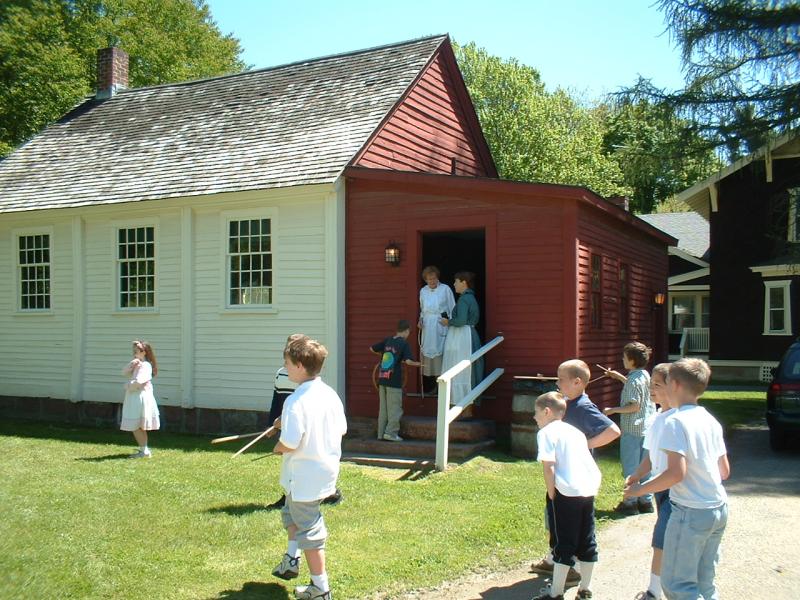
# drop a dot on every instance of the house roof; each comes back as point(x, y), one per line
point(698, 196)
point(689, 228)
point(290, 125)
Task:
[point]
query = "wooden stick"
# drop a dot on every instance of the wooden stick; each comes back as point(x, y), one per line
point(261, 435)
point(231, 438)
point(602, 368)
point(596, 378)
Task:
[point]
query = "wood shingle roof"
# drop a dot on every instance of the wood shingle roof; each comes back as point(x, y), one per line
point(291, 125)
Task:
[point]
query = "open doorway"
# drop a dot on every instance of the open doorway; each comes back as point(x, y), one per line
point(454, 251)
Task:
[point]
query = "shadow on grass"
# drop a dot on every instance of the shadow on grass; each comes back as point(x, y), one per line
point(255, 589)
point(84, 434)
point(105, 458)
point(240, 510)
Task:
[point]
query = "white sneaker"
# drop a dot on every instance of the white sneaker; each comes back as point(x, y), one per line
point(311, 592)
point(392, 438)
point(142, 454)
point(288, 568)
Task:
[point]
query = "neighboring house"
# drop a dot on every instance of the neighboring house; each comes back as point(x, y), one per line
point(753, 209)
point(216, 217)
point(688, 299)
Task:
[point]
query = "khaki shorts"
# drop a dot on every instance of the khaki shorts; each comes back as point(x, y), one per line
point(306, 516)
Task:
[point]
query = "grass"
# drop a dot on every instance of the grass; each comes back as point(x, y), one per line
point(80, 520)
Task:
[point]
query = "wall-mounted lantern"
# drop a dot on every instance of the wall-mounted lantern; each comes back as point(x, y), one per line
point(391, 254)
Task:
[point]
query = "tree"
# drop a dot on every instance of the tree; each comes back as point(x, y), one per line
point(48, 53)
point(535, 135)
point(742, 64)
point(657, 155)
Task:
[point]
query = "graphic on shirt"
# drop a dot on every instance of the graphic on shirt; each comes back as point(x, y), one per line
point(387, 365)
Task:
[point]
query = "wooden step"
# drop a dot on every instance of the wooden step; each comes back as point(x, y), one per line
point(424, 449)
point(390, 462)
point(461, 430)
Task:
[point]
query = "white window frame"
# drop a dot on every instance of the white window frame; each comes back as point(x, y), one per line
point(786, 285)
point(16, 235)
point(793, 235)
point(116, 226)
point(697, 307)
point(244, 215)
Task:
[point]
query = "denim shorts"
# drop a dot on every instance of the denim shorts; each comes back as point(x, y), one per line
point(664, 511)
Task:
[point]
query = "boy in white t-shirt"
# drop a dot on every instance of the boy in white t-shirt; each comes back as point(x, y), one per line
point(653, 463)
point(312, 425)
point(572, 480)
point(697, 463)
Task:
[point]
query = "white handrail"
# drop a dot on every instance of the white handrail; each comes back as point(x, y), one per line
point(447, 414)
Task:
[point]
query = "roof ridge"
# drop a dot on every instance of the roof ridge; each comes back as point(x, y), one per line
point(443, 36)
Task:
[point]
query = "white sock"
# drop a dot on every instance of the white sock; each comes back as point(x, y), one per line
point(586, 575)
point(655, 585)
point(292, 549)
point(321, 581)
point(559, 579)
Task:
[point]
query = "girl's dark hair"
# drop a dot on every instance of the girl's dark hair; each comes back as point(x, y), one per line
point(637, 353)
point(149, 355)
point(467, 277)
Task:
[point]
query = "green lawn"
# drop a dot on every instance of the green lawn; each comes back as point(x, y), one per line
point(80, 520)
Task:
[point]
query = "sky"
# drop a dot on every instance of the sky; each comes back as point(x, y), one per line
point(591, 47)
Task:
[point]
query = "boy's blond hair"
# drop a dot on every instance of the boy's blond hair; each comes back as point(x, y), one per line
point(691, 373)
point(306, 352)
point(554, 401)
point(577, 369)
point(662, 370)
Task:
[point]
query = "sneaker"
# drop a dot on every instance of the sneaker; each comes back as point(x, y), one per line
point(392, 438)
point(546, 568)
point(646, 595)
point(142, 454)
point(583, 594)
point(645, 506)
point(311, 592)
point(334, 499)
point(626, 509)
point(288, 568)
point(546, 596)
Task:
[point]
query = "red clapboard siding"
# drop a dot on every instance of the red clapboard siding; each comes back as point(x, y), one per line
point(648, 268)
point(430, 128)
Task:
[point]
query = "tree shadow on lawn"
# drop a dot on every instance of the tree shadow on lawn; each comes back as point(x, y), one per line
point(253, 590)
point(85, 434)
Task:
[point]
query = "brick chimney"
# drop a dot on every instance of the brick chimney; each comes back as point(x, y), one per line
point(112, 72)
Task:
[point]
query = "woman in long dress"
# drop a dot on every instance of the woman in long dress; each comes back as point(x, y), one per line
point(435, 300)
point(462, 339)
point(139, 410)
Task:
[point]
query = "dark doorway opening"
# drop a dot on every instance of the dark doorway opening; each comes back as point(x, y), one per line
point(454, 251)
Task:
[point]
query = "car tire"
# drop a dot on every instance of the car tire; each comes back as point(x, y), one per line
point(777, 439)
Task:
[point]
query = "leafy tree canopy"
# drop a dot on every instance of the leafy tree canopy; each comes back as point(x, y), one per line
point(742, 64)
point(536, 135)
point(48, 53)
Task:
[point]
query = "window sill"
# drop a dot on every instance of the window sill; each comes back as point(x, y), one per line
point(245, 310)
point(139, 312)
point(35, 313)
point(778, 333)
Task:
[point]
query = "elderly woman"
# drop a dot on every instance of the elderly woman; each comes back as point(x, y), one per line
point(462, 339)
point(435, 300)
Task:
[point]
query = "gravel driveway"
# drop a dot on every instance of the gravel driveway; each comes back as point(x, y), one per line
point(759, 549)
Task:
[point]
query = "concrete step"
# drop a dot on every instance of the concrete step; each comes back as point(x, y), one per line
point(461, 430)
point(412, 448)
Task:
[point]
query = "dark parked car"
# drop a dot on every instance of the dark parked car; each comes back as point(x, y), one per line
point(783, 400)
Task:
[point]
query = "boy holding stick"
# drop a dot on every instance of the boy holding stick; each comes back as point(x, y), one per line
point(312, 425)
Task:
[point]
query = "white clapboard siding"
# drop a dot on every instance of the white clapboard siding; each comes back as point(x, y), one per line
point(37, 345)
point(209, 356)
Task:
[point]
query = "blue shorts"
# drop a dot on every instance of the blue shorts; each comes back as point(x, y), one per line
point(664, 511)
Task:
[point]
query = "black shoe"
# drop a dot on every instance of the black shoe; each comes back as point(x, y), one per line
point(645, 507)
point(278, 504)
point(626, 509)
point(334, 499)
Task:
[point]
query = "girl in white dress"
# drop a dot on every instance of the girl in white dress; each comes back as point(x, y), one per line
point(139, 410)
point(435, 299)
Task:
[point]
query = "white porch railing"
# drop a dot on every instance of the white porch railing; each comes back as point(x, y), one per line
point(446, 414)
point(694, 339)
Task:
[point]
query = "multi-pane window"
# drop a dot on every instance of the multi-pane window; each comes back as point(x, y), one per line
point(777, 308)
point(683, 312)
point(250, 262)
point(624, 308)
point(595, 298)
point(34, 272)
point(137, 267)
